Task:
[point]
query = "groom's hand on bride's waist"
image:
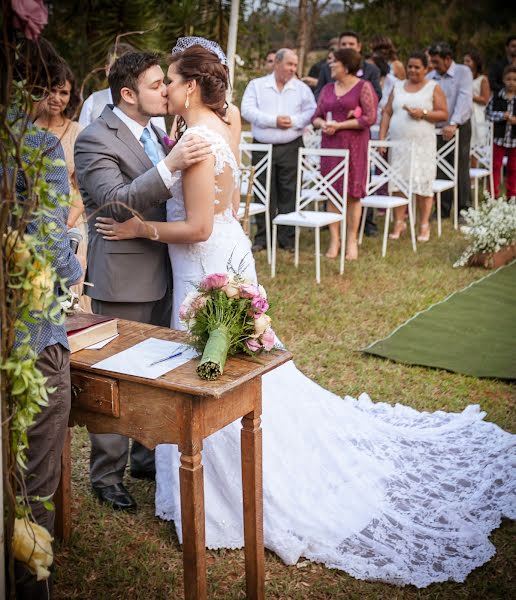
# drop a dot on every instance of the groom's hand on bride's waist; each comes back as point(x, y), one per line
point(192, 149)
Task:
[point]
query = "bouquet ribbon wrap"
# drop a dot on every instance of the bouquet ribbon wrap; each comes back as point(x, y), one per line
point(215, 354)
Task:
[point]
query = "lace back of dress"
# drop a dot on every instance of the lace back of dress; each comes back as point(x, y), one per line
point(227, 173)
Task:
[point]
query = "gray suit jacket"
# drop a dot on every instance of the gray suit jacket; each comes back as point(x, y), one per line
point(113, 167)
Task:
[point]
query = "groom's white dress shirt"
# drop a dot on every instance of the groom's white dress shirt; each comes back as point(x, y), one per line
point(136, 129)
point(263, 102)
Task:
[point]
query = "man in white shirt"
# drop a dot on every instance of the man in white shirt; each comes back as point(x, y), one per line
point(96, 102)
point(279, 106)
point(123, 165)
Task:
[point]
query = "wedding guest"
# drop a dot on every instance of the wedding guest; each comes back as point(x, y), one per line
point(382, 45)
point(387, 81)
point(347, 129)
point(497, 69)
point(315, 70)
point(40, 68)
point(56, 116)
point(502, 111)
point(457, 84)
point(481, 95)
point(95, 104)
point(413, 108)
point(279, 106)
point(269, 61)
point(367, 71)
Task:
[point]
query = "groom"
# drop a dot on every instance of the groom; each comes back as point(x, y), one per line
point(122, 163)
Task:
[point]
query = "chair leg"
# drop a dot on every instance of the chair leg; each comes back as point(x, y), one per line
point(296, 247)
point(268, 236)
point(455, 207)
point(476, 193)
point(439, 221)
point(273, 258)
point(362, 225)
point(386, 231)
point(412, 227)
point(318, 255)
point(343, 242)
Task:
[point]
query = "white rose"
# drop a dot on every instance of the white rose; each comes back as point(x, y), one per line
point(262, 291)
point(261, 324)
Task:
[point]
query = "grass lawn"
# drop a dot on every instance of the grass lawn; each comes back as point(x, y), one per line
point(114, 555)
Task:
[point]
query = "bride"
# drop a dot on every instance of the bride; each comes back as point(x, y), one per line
point(382, 492)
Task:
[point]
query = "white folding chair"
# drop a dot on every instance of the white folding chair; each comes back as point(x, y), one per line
point(323, 186)
point(448, 164)
point(482, 151)
point(261, 186)
point(381, 172)
point(246, 137)
point(246, 182)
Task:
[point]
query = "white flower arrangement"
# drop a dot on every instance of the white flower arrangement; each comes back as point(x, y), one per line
point(489, 228)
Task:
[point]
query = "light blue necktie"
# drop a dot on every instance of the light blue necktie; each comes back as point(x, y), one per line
point(149, 146)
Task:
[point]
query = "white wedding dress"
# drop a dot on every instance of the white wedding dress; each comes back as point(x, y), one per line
point(382, 492)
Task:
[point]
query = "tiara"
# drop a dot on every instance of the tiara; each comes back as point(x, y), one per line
point(185, 42)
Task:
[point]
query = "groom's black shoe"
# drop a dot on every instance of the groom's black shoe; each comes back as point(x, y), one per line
point(115, 496)
point(149, 475)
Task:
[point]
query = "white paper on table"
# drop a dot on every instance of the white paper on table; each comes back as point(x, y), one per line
point(101, 344)
point(137, 359)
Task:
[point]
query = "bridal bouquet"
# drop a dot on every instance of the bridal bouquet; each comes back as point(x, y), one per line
point(226, 315)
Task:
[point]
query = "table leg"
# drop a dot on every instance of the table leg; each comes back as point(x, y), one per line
point(63, 495)
point(193, 523)
point(252, 486)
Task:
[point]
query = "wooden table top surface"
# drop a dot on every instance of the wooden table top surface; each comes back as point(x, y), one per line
point(238, 369)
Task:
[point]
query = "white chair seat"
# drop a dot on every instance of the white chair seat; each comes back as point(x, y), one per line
point(478, 173)
point(383, 201)
point(255, 208)
point(440, 185)
point(307, 218)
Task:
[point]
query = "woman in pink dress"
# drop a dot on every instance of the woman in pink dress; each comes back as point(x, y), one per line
point(345, 111)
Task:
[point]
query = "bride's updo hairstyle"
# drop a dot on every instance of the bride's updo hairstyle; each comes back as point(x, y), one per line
point(199, 64)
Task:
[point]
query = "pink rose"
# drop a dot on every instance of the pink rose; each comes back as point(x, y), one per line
point(259, 305)
point(248, 290)
point(215, 281)
point(268, 338)
point(30, 16)
point(357, 112)
point(183, 312)
point(198, 303)
point(253, 345)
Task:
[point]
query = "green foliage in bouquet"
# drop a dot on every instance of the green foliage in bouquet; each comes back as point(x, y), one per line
point(224, 317)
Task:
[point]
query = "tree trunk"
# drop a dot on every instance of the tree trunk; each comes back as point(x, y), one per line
point(303, 38)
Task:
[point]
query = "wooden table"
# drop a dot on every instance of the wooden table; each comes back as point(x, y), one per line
point(178, 408)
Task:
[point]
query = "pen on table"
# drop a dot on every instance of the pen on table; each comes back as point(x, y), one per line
point(166, 358)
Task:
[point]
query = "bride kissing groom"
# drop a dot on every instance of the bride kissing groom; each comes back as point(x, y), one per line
point(383, 492)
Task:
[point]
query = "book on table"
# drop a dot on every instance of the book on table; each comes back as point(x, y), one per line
point(86, 329)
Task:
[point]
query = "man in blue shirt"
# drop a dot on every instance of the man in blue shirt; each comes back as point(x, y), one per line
point(457, 84)
point(40, 68)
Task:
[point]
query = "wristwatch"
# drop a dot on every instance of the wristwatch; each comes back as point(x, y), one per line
point(425, 112)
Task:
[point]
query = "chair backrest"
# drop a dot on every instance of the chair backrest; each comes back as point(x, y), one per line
point(312, 137)
point(246, 137)
point(382, 170)
point(482, 150)
point(262, 169)
point(448, 157)
point(310, 178)
point(246, 182)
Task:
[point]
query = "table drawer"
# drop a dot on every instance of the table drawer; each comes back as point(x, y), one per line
point(96, 394)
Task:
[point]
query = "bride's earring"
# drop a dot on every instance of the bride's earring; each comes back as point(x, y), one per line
point(187, 101)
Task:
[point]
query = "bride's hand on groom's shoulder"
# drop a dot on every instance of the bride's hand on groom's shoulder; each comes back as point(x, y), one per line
point(192, 149)
point(113, 231)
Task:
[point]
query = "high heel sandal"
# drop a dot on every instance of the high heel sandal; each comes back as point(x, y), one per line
point(399, 228)
point(424, 233)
